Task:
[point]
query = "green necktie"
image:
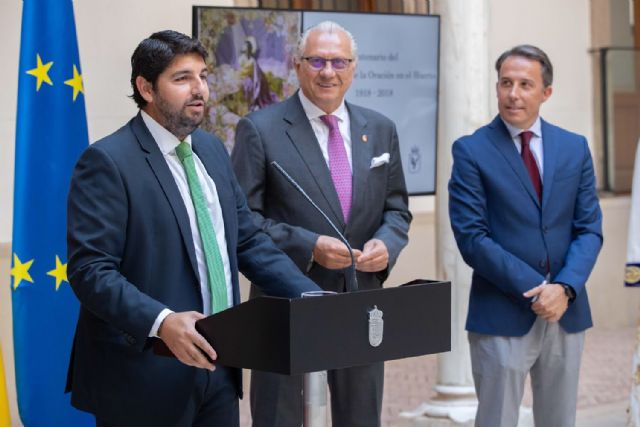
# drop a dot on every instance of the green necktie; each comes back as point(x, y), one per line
point(215, 268)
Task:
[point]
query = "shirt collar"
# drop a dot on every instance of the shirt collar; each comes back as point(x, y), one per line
point(167, 142)
point(314, 112)
point(536, 128)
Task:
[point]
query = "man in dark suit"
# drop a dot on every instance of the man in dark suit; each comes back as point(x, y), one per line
point(526, 217)
point(157, 230)
point(347, 159)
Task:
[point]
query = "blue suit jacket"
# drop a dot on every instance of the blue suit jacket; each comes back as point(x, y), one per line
point(131, 254)
point(507, 236)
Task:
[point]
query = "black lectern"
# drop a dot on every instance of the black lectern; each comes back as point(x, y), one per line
point(294, 336)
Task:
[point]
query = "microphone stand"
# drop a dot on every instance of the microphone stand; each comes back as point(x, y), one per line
point(315, 383)
point(352, 285)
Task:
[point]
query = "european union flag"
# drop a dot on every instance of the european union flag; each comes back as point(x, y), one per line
point(51, 133)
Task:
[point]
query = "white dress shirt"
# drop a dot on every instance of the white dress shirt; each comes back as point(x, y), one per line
point(167, 143)
point(321, 130)
point(535, 144)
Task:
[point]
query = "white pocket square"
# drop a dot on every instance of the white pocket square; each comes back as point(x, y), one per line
point(379, 161)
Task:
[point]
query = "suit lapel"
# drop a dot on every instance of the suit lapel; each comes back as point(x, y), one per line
point(360, 159)
point(550, 147)
point(304, 140)
point(501, 139)
point(160, 169)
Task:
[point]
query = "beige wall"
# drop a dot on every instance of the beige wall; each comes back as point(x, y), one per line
point(10, 13)
point(562, 30)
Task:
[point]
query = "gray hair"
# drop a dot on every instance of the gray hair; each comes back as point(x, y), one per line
point(324, 27)
point(533, 53)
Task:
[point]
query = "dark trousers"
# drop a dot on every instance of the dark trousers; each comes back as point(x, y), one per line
point(213, 402)
point(356, 397)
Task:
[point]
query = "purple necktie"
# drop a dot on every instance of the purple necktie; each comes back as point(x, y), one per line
point(339, 164)
point(530, 162)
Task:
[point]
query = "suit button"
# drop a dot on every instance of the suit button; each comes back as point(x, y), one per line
point(545, 229)
point(131, 340)
point(542, 264)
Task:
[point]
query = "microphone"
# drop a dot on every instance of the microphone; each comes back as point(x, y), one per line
point(353, 284)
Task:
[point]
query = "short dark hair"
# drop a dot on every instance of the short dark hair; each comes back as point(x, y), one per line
point(154, 54)
point(530, 52)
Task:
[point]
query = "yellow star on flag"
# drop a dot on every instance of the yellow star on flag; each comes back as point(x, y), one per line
point(75, 83)
point(60, 273)
point(20, 271)
point(41, 72)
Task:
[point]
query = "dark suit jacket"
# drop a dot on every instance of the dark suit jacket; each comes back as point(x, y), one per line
point(282, 133)
point(131, 254)
point(507, 236)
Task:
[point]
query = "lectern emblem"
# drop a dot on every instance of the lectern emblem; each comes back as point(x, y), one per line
point(376, 326)
point(415, 159)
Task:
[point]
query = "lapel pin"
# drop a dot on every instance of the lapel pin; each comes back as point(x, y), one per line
point(365, 138)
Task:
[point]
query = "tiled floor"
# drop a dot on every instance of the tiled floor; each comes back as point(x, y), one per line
point(604, 382)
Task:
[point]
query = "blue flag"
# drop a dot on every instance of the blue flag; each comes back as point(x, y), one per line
point(51, 133)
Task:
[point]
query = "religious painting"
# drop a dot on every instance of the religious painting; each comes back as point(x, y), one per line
point(251, 62)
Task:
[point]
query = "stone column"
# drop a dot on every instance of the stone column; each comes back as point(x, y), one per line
point(466, 93)
point(464, 106)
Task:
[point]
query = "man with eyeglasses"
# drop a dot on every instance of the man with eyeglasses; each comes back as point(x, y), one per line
point(347, 159)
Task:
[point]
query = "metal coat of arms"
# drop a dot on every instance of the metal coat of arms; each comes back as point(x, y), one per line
point(376, 326)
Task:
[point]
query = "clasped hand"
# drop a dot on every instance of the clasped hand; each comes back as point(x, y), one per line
point(551, 302)
point(332, 253)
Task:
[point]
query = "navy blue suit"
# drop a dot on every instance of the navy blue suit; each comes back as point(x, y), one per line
point(508, 237)
point(131, 254)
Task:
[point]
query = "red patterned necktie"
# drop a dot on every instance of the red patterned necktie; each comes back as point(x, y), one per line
point(339, 164)
point(530, 162)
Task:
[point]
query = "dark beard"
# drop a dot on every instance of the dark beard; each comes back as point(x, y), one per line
point(176, 121)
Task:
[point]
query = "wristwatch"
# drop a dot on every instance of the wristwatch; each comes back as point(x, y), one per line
point(569, 292)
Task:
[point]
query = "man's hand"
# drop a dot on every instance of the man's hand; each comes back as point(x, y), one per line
point(331, 253)
point(178, 331)
point(551, 303)
point(374, 257)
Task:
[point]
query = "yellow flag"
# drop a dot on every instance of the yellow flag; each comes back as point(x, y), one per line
point(5, 421)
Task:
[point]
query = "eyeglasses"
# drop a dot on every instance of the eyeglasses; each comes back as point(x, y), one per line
point(318, 63)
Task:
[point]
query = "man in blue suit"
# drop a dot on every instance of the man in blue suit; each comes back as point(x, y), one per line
point(526, 217)
point(158, 228)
